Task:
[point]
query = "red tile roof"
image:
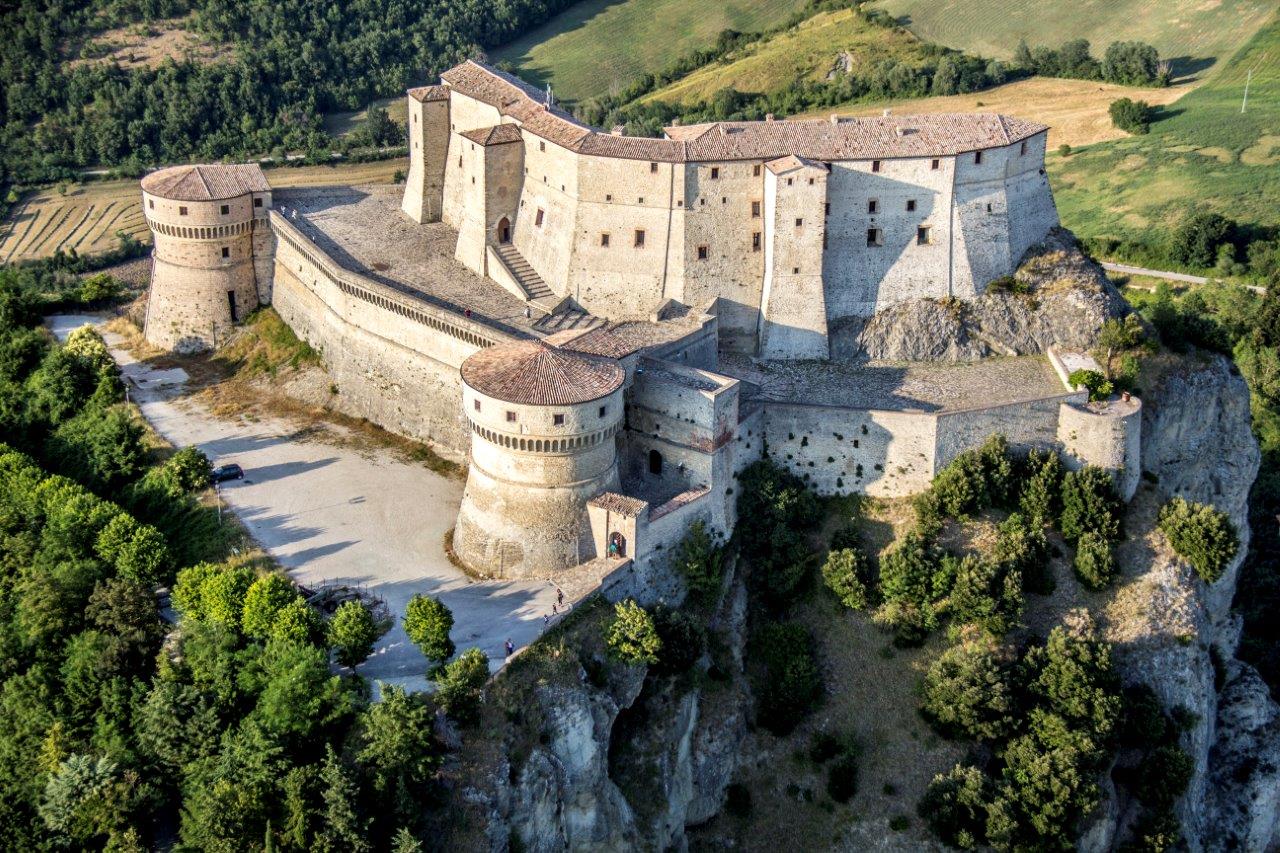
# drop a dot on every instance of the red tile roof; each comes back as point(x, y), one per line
point(935, 135)
point(430, 93)
point(206, 183)
point(620, 504)
point(535, 374)
point(496, 135)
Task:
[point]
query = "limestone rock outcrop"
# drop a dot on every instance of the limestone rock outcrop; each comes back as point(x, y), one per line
point(1062, 299)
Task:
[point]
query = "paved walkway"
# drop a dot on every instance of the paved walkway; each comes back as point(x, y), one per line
point(334, 514)
point(1170, 276)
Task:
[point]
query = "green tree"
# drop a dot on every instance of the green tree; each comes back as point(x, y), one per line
point(969, 690)
point(1115, 338)
point(1095, 382)
point(341, 826)
point(955, 806)
point(1094, 564)
point(1163, 776)
point(178, 724)
point(1041, 497)
point(222, 596)
point(189, 468)
point(632, 637)
point(102, 449)
point(700, 562)
point(682, 637)
point(987, 593)
point(98, 288)
point(397, 749)
point(263, 601)
point(298, 697)
point(842, 573)
point(427, 623)
point(188, 590)
point(1073, 674)
point(1022, 547)
point(1089, 503)
point(459, 683)
point(1202, 535)
point(1196, 241)
point(297, 622)
point(908, 586)
point(352, 633)
point(1131, 116)
point(791, 682)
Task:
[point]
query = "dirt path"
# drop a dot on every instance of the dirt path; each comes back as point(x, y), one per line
point(1125, 269)
point(332, 514)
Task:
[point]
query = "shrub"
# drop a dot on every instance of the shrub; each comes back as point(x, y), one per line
point(959, 488)
point(1022, 547)
point(842, 573)
point(1099, 387)
point(986, 593)
point(682, 640)
point(842, 776)
point(968, 690)
point(1064, 150)
point(791, 684)
point(632, 636)
point(1200, 534)
point(1089, 502)
point(908, 587)
point(955, 806)
point(1041, 497)
point(298, 623)
point(352, 633)
point(1196, 241)
point(427, 623)
point(1095, 564)
point(99, 287)
point(1131, 116)
point(700, 562)
point(458, 685)
point(1163, 776)
point(265, 599)
point(1072, 673)
point(189, 468)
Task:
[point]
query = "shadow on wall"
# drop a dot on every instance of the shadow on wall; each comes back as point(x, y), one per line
point(865, 242)
point(840, 452)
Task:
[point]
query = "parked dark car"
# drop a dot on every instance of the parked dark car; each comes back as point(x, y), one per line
point(226, 472)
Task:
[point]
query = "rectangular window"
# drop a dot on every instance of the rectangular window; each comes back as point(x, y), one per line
point(702, 253)
point(911, 205)
point(811, 182)
point(224, 209)
point(226, 252)
point(1023, 150)
point(182, 211)
point(640, 200)
point(604, 410)
point(257, 202)
point(875, 165)
point(795, 270)
point(557, 420)
point(639, 238)
point(542, 146)
point(476, 403)
point(977, 157)
point(755, 210)
point(789, 181)
point(604, 240)
point(826, 209)
point(874, 237)
point(608, 197)
point(799, 222)
point(231, 304)
point(755, 170)
point(151, 203)
point(755, 241)
point(715, 173)
point(922, 235)
point(511, 417)
point(873, 206)
point(935, 165)
point(653, 167)
point(537, 219)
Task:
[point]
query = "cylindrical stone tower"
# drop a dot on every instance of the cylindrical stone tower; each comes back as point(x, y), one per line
point(1107, 435)
point(209, 224)
point(543, 426)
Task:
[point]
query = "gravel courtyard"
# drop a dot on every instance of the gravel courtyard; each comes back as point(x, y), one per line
point(333, 514)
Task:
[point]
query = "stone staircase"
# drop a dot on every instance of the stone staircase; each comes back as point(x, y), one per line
point(535, 289)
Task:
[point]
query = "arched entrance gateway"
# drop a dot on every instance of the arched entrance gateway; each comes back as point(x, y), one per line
point(504, 230)
point(617, 545)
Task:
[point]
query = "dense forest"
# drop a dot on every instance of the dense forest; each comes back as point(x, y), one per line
point(290, 61)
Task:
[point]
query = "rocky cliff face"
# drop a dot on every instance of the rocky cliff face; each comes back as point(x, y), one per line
point(1058, 297)
point(1177, 634)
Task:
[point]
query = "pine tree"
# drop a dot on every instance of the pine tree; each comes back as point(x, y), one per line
point(341, 828)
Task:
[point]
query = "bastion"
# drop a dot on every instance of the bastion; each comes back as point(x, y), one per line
point(213, 252)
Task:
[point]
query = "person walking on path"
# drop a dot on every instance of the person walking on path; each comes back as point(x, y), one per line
point(560, 596)
point(511, 647)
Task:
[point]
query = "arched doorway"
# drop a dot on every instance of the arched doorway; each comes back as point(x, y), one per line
point(617, 544)
point(655, 462)
point(504, 230)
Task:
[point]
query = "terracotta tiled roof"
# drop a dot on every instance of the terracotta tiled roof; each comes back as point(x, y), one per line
point(535, 374)
point(791, 163)
point(941, 134)
point(206, 183)
point(816, 139)
point(621, 504)
point(429, 93)
point(496, 135)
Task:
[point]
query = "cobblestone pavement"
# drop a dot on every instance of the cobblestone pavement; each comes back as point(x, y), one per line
point(921, 387)
point(334, 514)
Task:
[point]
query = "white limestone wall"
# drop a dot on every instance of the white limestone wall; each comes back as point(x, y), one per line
point(793, 311)
point(550, 185)
point(1027, 423)
point(1106, 436)
point(862, 279)
point(1032, 209)
point(428, 154)
point(463, 168)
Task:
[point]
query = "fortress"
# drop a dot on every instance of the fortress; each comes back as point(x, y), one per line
point(610, 328)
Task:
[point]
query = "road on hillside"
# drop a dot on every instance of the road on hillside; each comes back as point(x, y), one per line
point(333, 514)
point(1169, 276)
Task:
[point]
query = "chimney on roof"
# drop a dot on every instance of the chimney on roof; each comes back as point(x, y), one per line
point(835, 119)
point(900, 131)
point(768, 116)
point(617, 129)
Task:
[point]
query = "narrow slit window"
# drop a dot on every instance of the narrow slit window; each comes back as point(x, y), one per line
point(537, 219)
point(755, 210)
point(639, 242)
point(604, 240)
point(755, 241)
point(755, 170)
point(977, 157)
point(476, 403)
point(875, 165)
point(1023, 149)
point(542, 146)
point(604, 410)
point(873, 206)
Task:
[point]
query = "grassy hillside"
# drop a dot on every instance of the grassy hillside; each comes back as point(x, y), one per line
point(598, 45)
point(1204, 155)
point(1192, 32)
point(808, 51)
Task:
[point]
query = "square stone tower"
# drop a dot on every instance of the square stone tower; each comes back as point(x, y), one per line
point(428, 152)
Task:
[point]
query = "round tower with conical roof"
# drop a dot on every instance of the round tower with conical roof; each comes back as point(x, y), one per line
point(544, 422)
point(211, 264)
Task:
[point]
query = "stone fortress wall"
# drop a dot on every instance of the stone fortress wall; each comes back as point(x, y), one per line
point(646, 220)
